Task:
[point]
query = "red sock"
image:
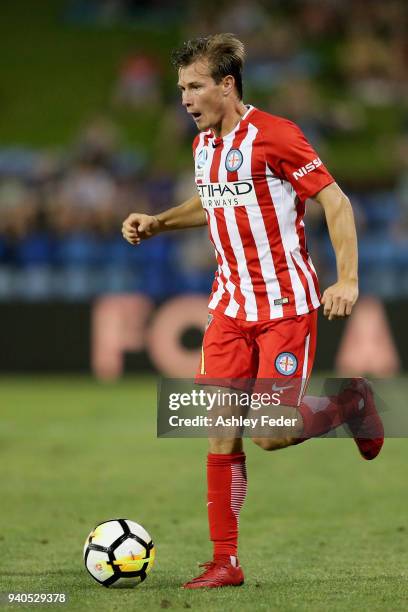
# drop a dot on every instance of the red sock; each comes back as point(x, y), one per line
point(227, 487)
point(321, 414)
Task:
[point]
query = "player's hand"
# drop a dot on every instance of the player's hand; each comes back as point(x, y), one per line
point(138, 227)
point(339, 299)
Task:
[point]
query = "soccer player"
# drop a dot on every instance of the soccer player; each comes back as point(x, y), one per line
point(254, 172)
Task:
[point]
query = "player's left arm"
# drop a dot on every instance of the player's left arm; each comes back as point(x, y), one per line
point(291, 157)
point(339, 299)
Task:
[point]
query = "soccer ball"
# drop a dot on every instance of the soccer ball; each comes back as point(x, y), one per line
point(119, 553)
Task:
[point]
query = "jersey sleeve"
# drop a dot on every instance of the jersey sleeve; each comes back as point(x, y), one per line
point(293, 158)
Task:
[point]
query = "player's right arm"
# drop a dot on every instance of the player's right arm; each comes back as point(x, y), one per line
point(138, 226)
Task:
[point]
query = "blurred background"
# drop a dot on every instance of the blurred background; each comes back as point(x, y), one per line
point(91, 128)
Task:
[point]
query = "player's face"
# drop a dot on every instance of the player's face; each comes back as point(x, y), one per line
point(202, 97)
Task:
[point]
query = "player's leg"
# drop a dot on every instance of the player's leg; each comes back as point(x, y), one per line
point(287, 350)
point(354, 405)
point(226, 357)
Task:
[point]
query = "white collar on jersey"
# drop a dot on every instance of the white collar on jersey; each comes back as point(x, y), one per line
point(218, 139)
point(249, 108)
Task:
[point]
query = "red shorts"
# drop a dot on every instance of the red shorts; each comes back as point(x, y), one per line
point(235, 350)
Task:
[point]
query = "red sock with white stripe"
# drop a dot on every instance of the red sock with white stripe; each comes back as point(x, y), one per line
point(227, 487)
point(321, 414)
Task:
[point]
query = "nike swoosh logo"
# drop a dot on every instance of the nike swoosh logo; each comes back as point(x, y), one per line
point(276, 388)
point(208, 503)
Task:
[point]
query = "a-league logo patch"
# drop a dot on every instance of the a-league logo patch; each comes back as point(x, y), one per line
point(286, 364)
point(201, 158)
point(234, 160)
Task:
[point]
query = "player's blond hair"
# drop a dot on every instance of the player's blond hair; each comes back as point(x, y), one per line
point(225, 54)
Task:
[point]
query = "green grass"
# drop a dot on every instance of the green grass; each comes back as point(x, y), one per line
point(321, 529)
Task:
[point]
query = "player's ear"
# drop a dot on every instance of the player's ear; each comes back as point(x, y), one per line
point(228, 83)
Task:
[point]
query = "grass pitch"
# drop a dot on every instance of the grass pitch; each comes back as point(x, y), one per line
point(321, 528)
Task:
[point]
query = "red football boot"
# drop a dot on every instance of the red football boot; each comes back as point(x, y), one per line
point(367, 427)
point(217, 574)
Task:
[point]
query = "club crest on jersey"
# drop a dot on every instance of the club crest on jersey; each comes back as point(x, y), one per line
point(201, 158)
point(286, 364)
point(234, 160)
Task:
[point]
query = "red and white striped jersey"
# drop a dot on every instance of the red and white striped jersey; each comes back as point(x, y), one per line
point(253, 184)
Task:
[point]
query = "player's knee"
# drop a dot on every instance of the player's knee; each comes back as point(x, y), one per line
point(270, 444)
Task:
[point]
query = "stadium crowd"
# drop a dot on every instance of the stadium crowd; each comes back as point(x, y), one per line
point(340, 70)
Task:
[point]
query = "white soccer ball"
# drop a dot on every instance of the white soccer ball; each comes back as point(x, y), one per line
point(119, 553)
